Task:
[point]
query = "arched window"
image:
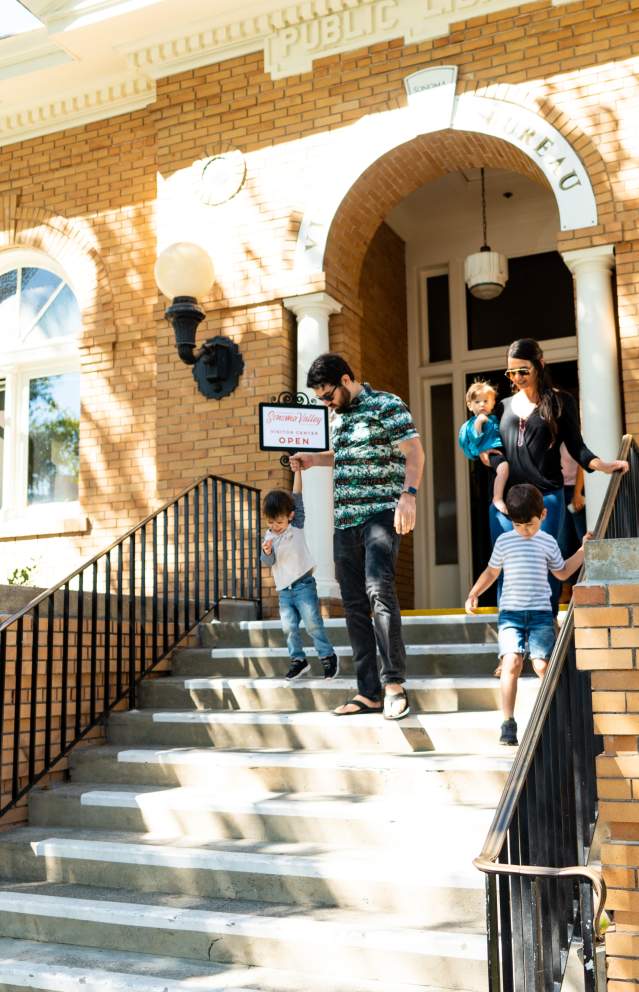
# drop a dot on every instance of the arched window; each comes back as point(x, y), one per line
point(39, 384)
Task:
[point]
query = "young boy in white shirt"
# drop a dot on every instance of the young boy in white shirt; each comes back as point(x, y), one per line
point(526, 554)
point(286, 551)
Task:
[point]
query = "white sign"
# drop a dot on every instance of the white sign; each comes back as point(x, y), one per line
point(431, 94)
point(293, 428)
point(542, 143)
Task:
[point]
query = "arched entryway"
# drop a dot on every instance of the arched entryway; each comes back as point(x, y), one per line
point(356, 235)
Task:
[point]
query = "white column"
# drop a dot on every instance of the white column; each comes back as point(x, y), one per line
point(313, 311)
point(599, 386)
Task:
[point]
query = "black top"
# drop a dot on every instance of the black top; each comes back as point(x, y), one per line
point(538, 460)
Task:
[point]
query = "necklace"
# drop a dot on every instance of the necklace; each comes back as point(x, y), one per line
point(522, 430)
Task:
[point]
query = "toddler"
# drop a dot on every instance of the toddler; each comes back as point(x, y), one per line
point(481, 433)
point(525, 554)
point(285, 550)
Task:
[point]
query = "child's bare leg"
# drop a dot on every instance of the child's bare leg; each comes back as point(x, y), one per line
point(511, 665)
point(539, 666)
point(501, 478)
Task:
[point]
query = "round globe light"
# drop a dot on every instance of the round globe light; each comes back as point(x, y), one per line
point(184, 269)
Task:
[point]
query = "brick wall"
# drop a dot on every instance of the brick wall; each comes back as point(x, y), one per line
point(145, 431)
point(607, 641)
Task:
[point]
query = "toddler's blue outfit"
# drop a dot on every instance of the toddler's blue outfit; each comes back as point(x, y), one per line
point(473, 444)
point(292, 567)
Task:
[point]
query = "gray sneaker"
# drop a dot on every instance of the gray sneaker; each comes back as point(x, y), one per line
point(509, 732)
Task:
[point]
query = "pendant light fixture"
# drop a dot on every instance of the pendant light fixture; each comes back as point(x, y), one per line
point(485, 272)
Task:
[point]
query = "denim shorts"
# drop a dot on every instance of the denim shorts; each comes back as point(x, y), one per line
point(531, 631)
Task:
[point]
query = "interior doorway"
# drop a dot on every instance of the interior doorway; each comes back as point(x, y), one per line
point(454, 339)
point(565, 376)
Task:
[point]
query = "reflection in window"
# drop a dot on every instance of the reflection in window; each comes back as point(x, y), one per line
point(537, 302)
point(61, 317)
point(444, 495)
point(54, 423)
point(9, 301)
point(438, 312)
point(37, 289)
point(36, 305)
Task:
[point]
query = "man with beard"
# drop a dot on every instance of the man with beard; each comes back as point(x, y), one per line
point(378, 462)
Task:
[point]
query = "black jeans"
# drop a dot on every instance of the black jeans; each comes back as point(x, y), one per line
point(365, 559)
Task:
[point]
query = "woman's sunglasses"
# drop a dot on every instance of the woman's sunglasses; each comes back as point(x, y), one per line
point(523, 372)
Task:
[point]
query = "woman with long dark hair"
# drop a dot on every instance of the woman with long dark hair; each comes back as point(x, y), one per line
point(533, 423)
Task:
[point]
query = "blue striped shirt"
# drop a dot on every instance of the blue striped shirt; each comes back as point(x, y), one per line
point(525, 562)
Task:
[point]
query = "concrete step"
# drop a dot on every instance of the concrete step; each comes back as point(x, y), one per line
point(30, 966)
point(415, 630)
point(422, 660)
point(450, 732)
point(432, 886)
point(298, 817)
point(326, 942)
point(438, 695)
point(435, 777)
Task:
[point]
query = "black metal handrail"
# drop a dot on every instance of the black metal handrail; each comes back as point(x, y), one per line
point(81, 647)
point(539, 890)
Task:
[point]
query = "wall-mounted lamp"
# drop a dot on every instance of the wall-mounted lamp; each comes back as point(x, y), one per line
point(184, 272)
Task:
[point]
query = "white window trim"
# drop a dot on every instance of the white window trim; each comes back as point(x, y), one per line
point(18, 367)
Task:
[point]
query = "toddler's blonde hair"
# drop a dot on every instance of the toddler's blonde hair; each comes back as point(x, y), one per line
point(479, 386)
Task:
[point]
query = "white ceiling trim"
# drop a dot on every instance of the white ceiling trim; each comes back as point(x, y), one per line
point(292, 38)
point(110, 97)
point(43, 54)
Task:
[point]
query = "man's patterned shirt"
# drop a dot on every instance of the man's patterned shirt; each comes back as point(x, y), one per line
point(369, 468)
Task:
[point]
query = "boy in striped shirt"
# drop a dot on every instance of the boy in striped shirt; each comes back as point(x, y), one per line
point(526, 554)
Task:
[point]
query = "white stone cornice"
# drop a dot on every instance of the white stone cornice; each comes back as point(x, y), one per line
point(108, 98)
point(30, 52)
point(65, 15)
point(123, 40)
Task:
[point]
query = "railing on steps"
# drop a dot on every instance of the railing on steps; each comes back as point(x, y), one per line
point(81, 647)
point(539, 892)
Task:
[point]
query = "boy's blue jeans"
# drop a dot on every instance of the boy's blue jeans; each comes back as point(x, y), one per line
point(526, 630)
point(299, 603)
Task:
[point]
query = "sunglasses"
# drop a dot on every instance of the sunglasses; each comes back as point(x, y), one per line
point(523, 372)
point(327, 397)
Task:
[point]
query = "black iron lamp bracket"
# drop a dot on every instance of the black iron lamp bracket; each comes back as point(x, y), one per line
point(217, 364)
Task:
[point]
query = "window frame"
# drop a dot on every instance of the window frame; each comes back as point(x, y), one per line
point(18, 366)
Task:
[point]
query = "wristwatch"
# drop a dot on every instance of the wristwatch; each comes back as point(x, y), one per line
point(410, 490)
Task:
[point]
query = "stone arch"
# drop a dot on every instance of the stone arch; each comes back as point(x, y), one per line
point(62, 240)
point(386, 156)
point(395, 176)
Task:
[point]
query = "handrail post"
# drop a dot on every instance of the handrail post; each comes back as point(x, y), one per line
point(539, 841)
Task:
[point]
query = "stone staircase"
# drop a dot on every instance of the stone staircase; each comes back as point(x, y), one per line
point(235, 835)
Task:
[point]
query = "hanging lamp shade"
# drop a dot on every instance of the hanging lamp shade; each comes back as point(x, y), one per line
point(485, 272)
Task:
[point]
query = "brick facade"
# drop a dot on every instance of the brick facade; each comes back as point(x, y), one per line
point(95, 196)
point(607, 641)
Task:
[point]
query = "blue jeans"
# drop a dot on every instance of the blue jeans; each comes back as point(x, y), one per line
point(521, 630)
point(574, 528)
point(365, 559)
point(556, 511)
point(300, 603)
